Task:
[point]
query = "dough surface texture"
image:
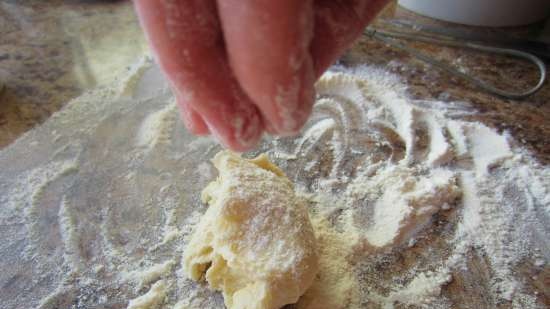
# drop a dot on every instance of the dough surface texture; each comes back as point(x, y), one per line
point(255, 242)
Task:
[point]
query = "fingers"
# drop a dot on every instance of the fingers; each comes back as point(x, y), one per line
point(268, 47)
point(186, 39)
point(192, 120)
point(271, 51)
point(337, 25)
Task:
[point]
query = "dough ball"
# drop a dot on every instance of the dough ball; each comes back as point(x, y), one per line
point(255, 242)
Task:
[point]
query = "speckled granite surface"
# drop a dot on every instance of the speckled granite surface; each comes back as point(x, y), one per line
point(51, 52)
point(527, 120)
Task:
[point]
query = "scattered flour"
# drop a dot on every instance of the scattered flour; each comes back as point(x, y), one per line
point(156, 127)
point(133, 76)
point(149, 274)
point(403, 196)
point(170, 234)
point(152, 299)
point(422, 290)
point(182, 305)
point(402, 202)
point(69, 235)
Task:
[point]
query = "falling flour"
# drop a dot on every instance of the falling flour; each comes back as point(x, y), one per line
point(405, 198)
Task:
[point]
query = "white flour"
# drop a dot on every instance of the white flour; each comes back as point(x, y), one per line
point(152, 299)
point(99, 202)
point(501, 194)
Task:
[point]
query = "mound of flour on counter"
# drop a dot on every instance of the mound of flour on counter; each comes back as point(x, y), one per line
point(411, 204)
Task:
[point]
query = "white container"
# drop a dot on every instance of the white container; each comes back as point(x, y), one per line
point(494, 13)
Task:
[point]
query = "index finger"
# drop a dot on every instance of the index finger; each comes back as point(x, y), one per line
point(186, 39)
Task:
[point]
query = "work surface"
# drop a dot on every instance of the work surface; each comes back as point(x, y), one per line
point(74, 53)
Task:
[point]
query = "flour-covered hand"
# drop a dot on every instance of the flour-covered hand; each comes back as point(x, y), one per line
point(242, 67)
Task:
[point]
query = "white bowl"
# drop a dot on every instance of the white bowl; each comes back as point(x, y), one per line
point(495, 13)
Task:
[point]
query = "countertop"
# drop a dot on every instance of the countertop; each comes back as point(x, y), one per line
point(52, 52)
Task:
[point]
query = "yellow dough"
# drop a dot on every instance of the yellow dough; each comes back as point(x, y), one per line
point(255, 242)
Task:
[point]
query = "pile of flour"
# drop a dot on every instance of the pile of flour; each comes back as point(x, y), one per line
point(411, 203)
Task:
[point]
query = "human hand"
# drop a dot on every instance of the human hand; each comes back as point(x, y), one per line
point(242, 67)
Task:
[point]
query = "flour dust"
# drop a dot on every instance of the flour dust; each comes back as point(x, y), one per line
point(406, 197)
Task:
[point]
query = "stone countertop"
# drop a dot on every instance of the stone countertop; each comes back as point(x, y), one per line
point(52, 52)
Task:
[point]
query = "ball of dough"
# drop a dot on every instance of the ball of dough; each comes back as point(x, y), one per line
point(255, 242)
